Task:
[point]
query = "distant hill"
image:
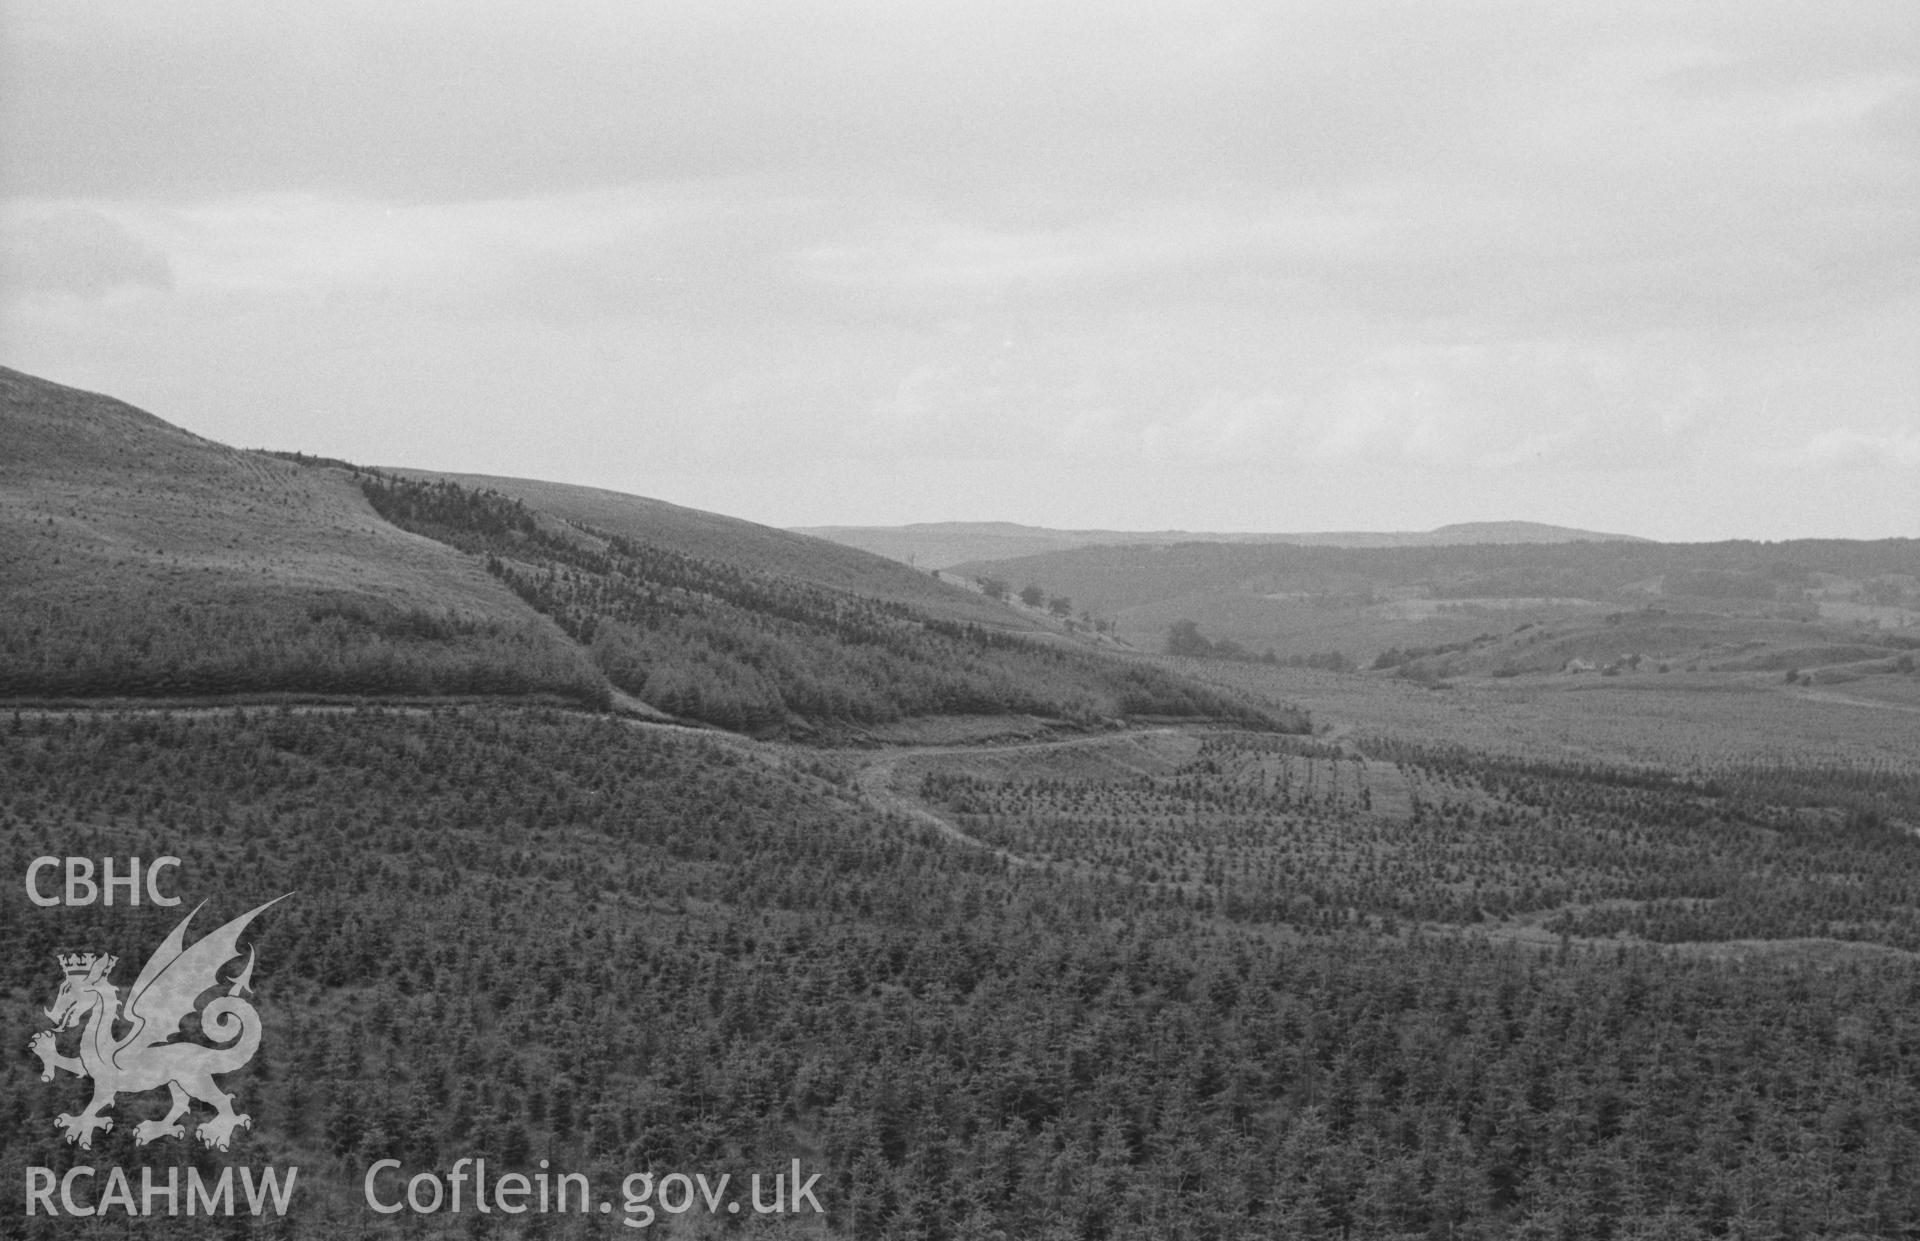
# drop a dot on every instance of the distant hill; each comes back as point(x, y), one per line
point(940, 545)
point(1753, 606)
point(1470, 532)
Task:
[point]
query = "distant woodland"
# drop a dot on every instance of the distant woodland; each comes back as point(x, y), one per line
point(1111, 578)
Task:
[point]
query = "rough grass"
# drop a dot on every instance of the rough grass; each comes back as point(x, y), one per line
point(127, 543)
point(1677, 719)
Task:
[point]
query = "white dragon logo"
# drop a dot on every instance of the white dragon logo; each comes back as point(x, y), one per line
point(142, 1058)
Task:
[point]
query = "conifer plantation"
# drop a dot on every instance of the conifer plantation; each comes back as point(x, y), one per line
point(664, 843)
point(1226, 1001)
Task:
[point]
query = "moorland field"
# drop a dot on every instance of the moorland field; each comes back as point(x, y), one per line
point(634, 839)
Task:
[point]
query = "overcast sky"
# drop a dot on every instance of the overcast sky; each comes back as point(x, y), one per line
point(1646, 267)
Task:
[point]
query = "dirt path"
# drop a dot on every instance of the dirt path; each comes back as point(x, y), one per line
point(1848, 700)
point(876, 783)
point(879, 781)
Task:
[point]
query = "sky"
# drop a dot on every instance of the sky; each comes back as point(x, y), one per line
point(1650, 268)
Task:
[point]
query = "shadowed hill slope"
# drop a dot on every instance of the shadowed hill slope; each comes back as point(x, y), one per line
point(771, 653)
point(751, 546)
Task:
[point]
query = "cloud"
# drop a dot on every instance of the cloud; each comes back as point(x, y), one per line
point(1845, 448)
point(474, 100)
point(1611, 168)
point(572, 259)
point(1457, 243)
point(1516, 405)
point(76, 251)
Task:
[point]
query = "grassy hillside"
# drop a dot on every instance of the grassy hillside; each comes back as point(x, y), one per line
point(138, 559)
point(143, 561)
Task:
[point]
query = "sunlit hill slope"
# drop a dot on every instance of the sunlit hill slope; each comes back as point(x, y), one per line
point(139, 559)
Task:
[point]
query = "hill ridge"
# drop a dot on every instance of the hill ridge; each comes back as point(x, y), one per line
point(943, 544)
